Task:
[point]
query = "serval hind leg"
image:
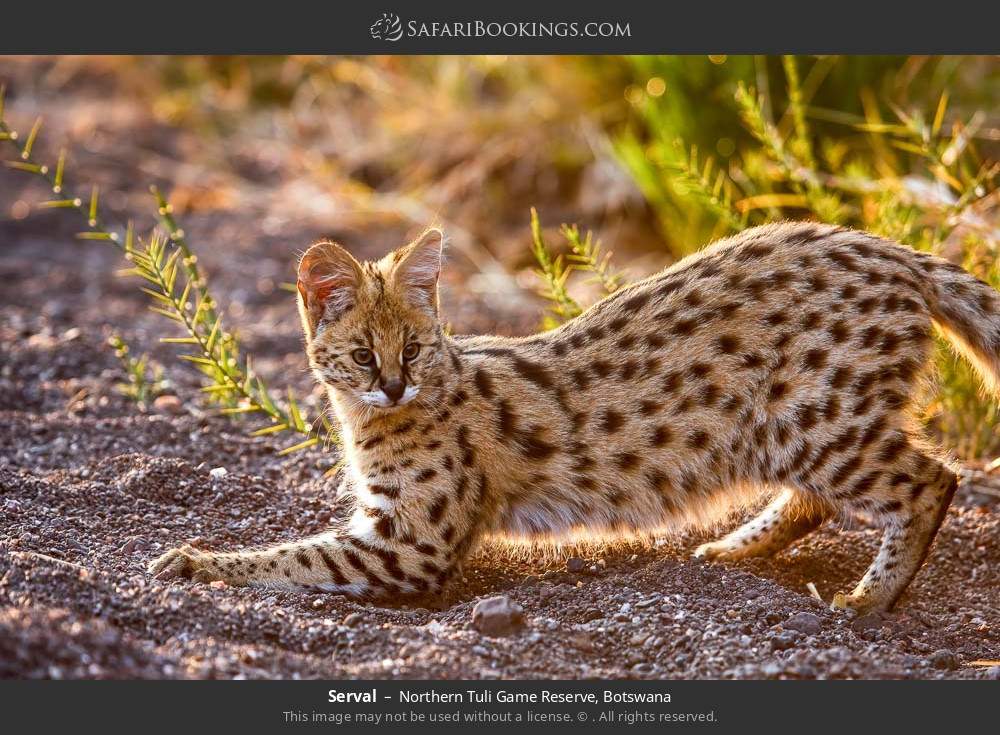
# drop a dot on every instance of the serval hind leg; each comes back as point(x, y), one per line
point(789, 517)
point(910, 501)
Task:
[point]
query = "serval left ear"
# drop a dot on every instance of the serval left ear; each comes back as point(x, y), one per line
point(328, 280)
point(416, 269)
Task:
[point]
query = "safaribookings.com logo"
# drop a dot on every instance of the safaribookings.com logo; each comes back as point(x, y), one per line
point(390, 28)
point(387, 28)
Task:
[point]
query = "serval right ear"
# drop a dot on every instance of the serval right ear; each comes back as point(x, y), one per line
point(328, 279)
point(416, 269)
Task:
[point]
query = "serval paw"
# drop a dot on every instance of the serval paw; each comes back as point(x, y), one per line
point(186, 562)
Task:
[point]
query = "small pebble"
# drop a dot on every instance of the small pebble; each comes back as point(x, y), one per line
point(783, 641)
point(497, 616)
point(169, 404)
point(575, 565)
point(867, 622)
point(805, 622)
point(944, 659)
point(130, 545)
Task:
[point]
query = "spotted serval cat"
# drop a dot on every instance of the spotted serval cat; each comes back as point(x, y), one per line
point(782, 360)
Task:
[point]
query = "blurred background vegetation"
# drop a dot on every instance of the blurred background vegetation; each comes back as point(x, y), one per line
point(655, 156)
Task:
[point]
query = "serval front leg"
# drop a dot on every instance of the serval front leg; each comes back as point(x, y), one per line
point(328, 562)
point(396, 542)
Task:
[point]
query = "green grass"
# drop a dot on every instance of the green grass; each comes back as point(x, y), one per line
point(178, 291)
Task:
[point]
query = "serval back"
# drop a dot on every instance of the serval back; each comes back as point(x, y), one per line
point(782, 361)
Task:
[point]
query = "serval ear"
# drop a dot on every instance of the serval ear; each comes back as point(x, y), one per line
point(416, 269)
point(328, 281)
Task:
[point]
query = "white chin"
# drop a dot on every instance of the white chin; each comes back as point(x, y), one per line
point(409, 393)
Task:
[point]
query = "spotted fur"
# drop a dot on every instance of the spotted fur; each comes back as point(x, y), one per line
point(781, 361)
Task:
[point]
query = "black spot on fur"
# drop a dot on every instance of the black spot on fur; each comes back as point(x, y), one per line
point(627, 460)
point(634, 303)
point(817, 283)
point(811, 321)
point(425, 475)
point(601, 368)
point(805, 417)
point(840, 377)
point(611, 420)
point(672, 381)
point(870, 336)
point(388, 491)
point(648, 408)
point(892, 448)
point(436, 511)
point(534, 372)
point(303, 560)
point(845, 261)
point(661, 436)
point(335, 572)
point(728, 344)
point(866, 305)
point(777, 318)
point(699, 369)
point(831, 409)
point(462, 439)
point(532, 445)
point(698, 439)
point(684, 327)
point(732, 403)
point(815, 359)
point(839, 331)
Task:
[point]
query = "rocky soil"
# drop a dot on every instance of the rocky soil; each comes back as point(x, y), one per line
point(90, 493)
point(92, 487)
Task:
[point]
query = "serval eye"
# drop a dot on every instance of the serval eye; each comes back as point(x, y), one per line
point(363, 356)
point(411, 351)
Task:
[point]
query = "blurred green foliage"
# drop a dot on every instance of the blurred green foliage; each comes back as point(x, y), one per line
point(719, 143)
point(145, 381)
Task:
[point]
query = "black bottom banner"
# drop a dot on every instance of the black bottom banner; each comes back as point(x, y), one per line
point(588, 706)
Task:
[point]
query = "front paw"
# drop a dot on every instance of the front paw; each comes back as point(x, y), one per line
point(860, 603)
point(715, 551)
point(185, 562)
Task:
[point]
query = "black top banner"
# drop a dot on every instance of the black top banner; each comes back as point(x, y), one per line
point(450, 27)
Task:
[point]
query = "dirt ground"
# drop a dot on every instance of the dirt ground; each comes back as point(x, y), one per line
point(92, 488)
